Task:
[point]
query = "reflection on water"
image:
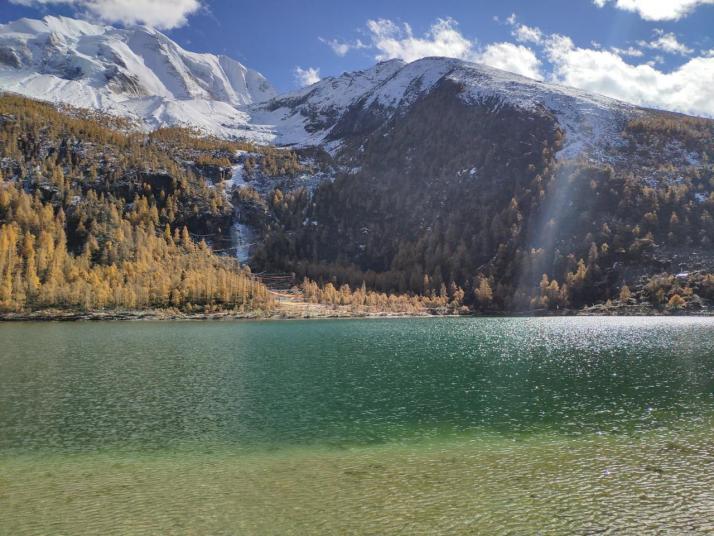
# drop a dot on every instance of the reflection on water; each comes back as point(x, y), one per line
point(413, 425)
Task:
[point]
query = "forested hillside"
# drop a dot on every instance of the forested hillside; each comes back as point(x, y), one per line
point(473, 197)
point(95, 217)
point(447, 203)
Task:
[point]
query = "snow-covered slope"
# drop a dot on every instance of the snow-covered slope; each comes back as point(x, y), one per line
point(136, 72)
point(319, 113)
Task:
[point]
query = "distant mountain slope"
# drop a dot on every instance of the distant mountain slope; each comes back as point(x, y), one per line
point(354, 104)
point(456, 177)
point(137, 72)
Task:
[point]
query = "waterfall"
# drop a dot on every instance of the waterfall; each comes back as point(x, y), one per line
point(242, 236)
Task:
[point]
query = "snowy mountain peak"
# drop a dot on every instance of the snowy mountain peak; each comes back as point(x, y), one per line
point(327, 111)
point(137, 72)
point(63, 26)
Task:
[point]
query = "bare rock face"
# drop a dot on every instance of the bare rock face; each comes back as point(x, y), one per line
point(9, 57)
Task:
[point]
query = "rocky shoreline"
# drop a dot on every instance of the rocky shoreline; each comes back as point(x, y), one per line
point(75, 316)
point(51, 315)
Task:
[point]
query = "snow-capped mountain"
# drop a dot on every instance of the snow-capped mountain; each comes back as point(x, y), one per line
point(136, 72)
point(140, 73)
point(355, 102)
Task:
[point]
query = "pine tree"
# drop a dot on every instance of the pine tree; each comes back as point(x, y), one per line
point(483, 293)
point(625, 294)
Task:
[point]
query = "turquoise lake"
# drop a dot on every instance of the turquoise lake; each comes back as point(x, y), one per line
point(374, 426)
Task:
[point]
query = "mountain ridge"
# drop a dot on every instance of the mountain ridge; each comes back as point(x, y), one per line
point(402, 83)
point(140, 73)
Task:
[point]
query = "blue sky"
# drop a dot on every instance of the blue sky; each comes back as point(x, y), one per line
point(652, 52)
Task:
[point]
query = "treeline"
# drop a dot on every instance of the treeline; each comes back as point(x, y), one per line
point(93, 218)
point(361, 299)
point(272, 162)
point(258, 160)
point(660, 128)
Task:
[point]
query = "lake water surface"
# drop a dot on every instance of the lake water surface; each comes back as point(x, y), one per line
point(399, 426)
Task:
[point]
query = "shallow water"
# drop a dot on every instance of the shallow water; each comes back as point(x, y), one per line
point(410, 426)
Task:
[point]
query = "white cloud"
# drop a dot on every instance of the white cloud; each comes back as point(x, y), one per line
point(341, 48)
point(527, 34)
point(308, 76)
point(667, 42)
point(686, 89)
point(629, 51)
point(511, 57)
point(523, 33)
point(657, 9)
point(442, 39)
point(445, 39)
point(162, 14)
